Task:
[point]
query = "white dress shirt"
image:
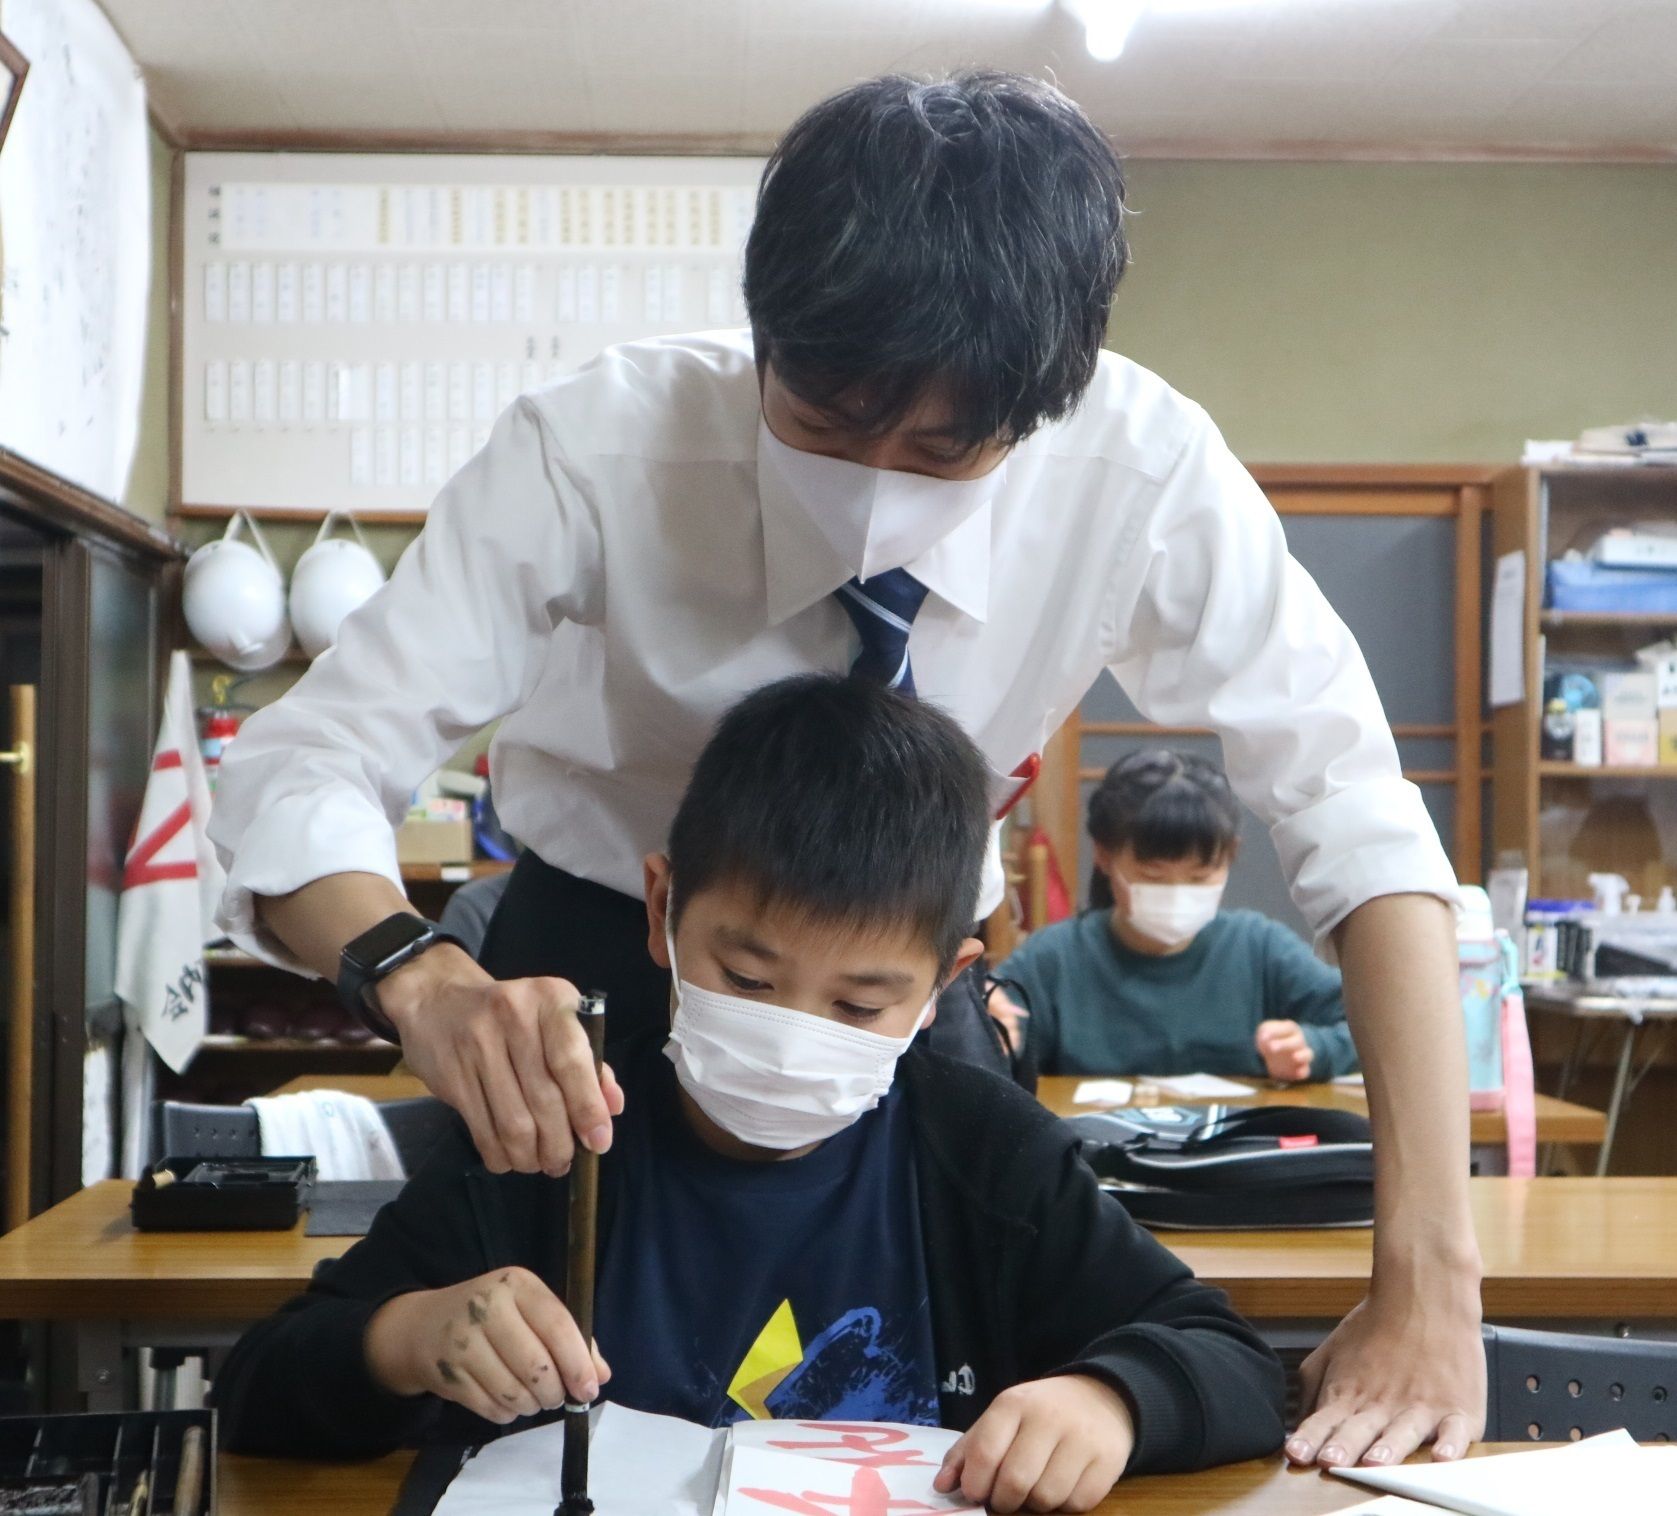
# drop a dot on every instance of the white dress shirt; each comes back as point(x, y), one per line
point(614, 569)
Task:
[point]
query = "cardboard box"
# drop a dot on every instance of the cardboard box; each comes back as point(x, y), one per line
point(1632, 744)
point(1668, 737)
point(1665, 684)
point(1628, 697)
point(437, 841)
point(1586, 738)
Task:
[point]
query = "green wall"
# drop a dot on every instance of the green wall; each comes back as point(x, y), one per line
point(1404, 312)
point(1343, 312)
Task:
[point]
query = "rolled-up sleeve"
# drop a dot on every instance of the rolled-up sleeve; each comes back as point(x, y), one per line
point(315, 783)
point(1213, 623)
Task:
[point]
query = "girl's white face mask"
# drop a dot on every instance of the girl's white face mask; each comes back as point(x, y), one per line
point(774, 1077)
point(874, 519)
point(1171, 913)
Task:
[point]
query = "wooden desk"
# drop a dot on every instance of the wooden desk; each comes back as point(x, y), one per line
point(1632, 1007)
point(1558, 1249)
point(396, 1085)
point(1557, 1120)
point(269, 1487)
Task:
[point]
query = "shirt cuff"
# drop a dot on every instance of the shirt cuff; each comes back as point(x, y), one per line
point(293, 843)
point(1371, 838)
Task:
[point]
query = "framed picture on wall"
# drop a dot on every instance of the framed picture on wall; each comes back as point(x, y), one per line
point(13, 67)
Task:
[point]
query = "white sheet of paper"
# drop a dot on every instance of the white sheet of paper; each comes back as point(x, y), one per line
point(638, 1465)
point(1545, 1482)
point(1390, 1505)
point(1197, 1085)
point(1508, 630)
point(764, 1483)
point(1103, 1092)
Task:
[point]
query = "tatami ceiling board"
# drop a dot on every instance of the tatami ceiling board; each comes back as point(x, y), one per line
point(1328, 78)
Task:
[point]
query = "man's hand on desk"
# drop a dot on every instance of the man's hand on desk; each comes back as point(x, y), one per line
point(1286, 1054)
point(1407, 1366)
point(502, 1345)
point(509, 1056)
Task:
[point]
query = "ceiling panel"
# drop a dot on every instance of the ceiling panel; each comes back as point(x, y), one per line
point(1313, 77)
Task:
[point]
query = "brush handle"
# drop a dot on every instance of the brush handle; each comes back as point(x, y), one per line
point(579, 1275)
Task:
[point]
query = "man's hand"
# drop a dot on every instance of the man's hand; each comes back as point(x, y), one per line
point(1395, 1373)
point(502, 1345)
point(1285, 1052)
point(1048, 1445)
point(509, 1056)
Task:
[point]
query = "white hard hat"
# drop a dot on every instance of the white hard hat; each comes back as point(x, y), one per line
point(234, 600)
point(331, 579)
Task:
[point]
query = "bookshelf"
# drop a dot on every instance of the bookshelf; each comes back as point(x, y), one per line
point(1569, 820)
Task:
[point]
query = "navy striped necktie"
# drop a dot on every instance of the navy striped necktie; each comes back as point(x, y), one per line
point(883, 609)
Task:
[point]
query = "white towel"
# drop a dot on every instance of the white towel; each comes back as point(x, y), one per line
point(345, 1133)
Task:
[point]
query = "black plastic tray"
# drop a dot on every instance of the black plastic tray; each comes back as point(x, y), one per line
point(223, 1194)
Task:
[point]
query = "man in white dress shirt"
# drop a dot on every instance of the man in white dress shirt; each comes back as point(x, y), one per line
point(917, 462)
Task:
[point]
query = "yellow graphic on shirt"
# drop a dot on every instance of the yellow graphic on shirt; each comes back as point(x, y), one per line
point(773, 1356)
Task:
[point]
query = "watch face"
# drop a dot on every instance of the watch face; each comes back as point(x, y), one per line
point(384, 941)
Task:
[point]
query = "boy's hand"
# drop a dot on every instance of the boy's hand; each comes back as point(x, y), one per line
point(1284, 1051)
point(1010, 1016)
point(1049, 1445)
point(502, 1345)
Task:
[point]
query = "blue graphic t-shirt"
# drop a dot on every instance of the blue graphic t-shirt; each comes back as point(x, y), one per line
point(792, 1289)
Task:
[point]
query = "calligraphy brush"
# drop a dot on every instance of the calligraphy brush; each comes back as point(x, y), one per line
point(579, 1278)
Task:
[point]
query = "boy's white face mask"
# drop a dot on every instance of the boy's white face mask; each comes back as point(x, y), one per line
point(774, 1077)
point(1171, 913)
point(873, 518)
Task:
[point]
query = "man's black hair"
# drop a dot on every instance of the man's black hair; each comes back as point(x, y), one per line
point(1161, 804)
point(967, 230)
point(845, 801)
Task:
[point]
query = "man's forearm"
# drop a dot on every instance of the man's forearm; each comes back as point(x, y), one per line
point(1398, 954)
point(316, 921)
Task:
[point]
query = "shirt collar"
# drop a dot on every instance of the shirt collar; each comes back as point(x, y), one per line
point(800, 567)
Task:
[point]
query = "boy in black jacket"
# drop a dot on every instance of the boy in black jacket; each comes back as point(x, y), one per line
point(793, 1223)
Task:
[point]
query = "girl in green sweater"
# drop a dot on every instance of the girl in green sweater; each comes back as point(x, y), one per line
point(1154, 978)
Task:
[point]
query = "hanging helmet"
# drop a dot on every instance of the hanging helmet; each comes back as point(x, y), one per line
point(234, 600)
point(331, 579)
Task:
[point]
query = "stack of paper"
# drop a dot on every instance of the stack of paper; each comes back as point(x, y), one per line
point(1565, 1481)
point(1202, 1086)
point(642, 1465)
point(1103, 1092)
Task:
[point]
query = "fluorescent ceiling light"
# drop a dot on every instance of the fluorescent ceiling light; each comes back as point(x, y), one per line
point(1107, 24)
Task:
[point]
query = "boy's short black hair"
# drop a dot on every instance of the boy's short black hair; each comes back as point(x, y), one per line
point(968, 230)
point(1162, 804)
point(844, 800)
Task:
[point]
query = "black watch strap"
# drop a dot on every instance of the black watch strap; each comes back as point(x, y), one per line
point(379, 952)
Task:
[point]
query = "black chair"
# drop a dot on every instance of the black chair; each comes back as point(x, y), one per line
point(1560, 1386)
point(232, 1131)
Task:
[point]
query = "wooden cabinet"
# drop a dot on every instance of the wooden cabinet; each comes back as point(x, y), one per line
point(1564, 820)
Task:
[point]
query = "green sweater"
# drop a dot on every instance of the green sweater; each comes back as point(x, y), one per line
point(1099, 1008)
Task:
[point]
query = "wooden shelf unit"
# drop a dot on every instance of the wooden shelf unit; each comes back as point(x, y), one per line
point(1569, 820)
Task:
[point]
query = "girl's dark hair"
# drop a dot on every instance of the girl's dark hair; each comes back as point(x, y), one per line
point(967, 230)
point(840, 798)
point(1161, 804)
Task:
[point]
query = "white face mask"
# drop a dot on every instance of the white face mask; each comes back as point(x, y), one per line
point(874, 518)
point(774, 1077)
point(1171, 913)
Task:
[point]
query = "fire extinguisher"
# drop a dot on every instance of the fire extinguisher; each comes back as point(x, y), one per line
point(218, 725)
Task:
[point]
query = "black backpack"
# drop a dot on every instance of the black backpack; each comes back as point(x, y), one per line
point(1233, 1168)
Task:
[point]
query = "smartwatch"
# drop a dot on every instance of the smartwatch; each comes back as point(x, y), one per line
point(380, 951)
